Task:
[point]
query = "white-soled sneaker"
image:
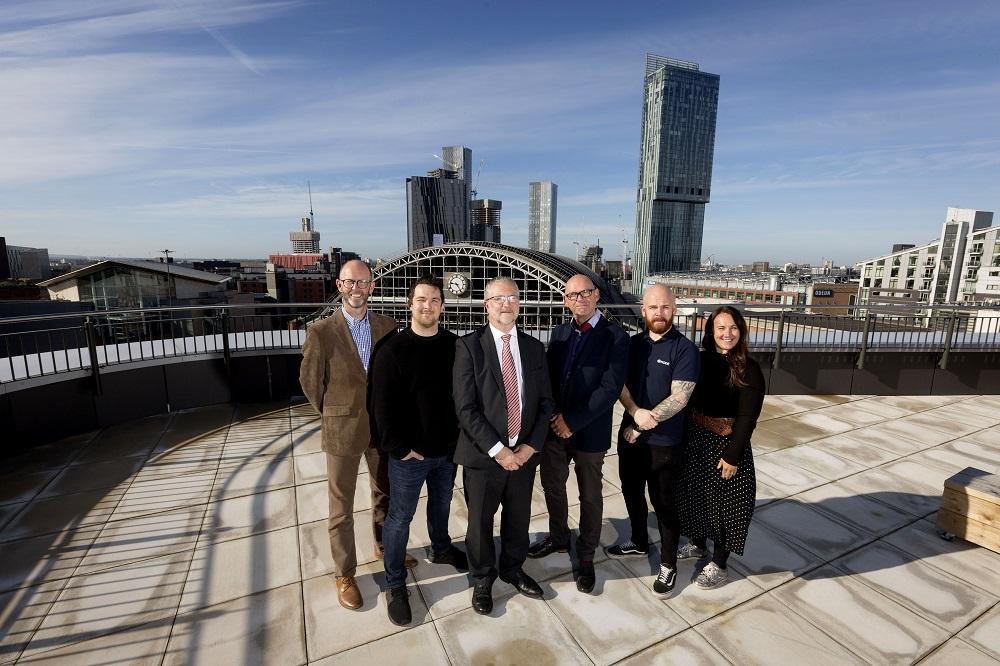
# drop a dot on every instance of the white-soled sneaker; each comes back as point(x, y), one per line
point(625, 549)
point(689, 550)
point(712, 576)
point(665, 580)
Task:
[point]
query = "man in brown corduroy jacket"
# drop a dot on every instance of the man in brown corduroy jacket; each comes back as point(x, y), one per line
point(334, 378)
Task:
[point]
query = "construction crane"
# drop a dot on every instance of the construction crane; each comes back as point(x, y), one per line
point(454, 166)
point(474, 192)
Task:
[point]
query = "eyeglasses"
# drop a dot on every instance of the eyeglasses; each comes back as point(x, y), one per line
point(349, 283)
point(583, 293)
point(504, 298)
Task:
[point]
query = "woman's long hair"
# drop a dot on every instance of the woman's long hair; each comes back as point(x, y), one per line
point(737, 356)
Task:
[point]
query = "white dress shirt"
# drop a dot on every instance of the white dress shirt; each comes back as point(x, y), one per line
point(516, 353)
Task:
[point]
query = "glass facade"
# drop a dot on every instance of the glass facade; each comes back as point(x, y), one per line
point(436, 206)
point(675, 166)
point(542, 215)
point(124, 288)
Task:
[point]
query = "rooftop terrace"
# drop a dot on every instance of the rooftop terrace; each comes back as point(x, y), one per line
point(199, 537)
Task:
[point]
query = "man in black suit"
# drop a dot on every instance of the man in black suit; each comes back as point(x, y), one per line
point(588, 359)
point(503, 402)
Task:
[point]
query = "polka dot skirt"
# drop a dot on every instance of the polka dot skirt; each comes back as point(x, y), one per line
point(709, 506)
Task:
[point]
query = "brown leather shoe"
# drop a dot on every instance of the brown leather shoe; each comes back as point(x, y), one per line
point(409, 561)
point(348, 593)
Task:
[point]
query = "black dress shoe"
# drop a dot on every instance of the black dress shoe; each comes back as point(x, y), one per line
point(482, 596)
point(544, 547)
point(524, 584)
point(585, 581)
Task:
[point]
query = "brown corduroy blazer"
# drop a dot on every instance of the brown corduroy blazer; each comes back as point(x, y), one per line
point(335, 383)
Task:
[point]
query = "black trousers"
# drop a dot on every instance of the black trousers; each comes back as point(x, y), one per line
point(554, 472)
point(485, 491)
point(658, 467)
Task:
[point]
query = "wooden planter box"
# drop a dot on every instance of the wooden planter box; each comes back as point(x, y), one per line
point(970, 507)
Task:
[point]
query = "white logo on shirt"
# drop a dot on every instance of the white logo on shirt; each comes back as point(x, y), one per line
point(660, 360)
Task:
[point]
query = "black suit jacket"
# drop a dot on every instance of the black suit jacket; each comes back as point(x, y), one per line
point(587, 399)
point(481, 402)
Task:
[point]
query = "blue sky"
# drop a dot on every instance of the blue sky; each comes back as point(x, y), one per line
point(130, 126)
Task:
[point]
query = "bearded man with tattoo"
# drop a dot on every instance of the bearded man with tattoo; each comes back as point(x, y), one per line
point(663, 368)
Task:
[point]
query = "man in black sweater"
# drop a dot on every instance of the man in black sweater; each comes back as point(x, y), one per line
point(413, 419)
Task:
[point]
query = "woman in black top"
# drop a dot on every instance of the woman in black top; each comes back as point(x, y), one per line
point(717, 488)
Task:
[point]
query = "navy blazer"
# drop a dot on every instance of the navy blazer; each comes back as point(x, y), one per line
point(587, 400)
point(481, 401)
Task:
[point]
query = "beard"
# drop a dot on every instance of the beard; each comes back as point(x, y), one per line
point(658, 325)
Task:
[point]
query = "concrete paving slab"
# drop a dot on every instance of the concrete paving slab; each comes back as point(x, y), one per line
point(352, 627)
point(765, 631)
point(314, 544)
point(263, 628)
point(254, 477)
point(310, 467)
point(77, 478)
point(687, 648)
point(816, 460)
point(783, 478)
point(848, 447)
point(19, 487)
point(113, 600)
point(136, 646)
point(123, 541)
point(842, 503)
point(975, 565)
point(21, 611)
point(48, 456)
point(816, 532)
point(421, 645)
point(159, 495)
point(869, 624)
point(768, 560)
point(239, 517)
point(520, 631)
point(133, 438)
point(957, 651)
point(688, 600)
point(984, 633)
point(930, 592)
point(897, 491)
point(617, 619)
point(232, 569)
point(54, 515)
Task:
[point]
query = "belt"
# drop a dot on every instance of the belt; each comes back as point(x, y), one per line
point(718, 425)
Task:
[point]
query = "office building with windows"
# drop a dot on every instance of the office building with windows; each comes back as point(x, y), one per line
point(485, 220)
point(437, 205)
point(675, 166)
point(542, 215)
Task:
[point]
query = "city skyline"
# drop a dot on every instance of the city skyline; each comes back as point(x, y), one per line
point(132, 126)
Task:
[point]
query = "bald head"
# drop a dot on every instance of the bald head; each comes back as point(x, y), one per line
point(581, 297)
point(355, 269)
point(658, 307)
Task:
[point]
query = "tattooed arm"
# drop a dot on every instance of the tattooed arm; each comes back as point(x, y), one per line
point(680, 393)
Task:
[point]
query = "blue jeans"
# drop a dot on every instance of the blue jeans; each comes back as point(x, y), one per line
point(406, 477)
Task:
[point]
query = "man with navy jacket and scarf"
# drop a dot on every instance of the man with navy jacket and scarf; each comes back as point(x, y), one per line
point(587, 359)
point(503, 402)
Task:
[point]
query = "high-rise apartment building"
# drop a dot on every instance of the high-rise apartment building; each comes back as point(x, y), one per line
point(675, 166)
point(485, 220)
point(960, 266)
point(437, 205)
point(542, 215)
point(306, 240)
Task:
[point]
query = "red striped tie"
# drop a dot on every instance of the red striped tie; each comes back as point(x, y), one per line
point(510, 386)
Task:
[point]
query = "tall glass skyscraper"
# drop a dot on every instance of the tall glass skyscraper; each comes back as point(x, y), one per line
point(542, 215)
point(437, 205)
point(675, 166)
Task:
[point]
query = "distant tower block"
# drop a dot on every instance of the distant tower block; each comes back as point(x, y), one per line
point(485, 219)
point(542, 215)
point(305, 241)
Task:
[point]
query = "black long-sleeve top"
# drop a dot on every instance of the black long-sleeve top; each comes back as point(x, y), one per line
point(410, 398)
point(715, 396)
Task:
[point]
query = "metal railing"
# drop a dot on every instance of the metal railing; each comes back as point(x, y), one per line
point(39, 346)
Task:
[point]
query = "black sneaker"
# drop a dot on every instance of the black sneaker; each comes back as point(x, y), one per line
point(625, 549)
point(665, 580)
point(398, 599)
point(452, 556)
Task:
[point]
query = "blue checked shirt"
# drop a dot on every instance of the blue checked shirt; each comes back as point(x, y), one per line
point(361, 331)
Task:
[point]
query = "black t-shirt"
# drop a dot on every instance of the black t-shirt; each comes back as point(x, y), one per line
point(652, 366)
point(714, 395)
point(410, 400)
